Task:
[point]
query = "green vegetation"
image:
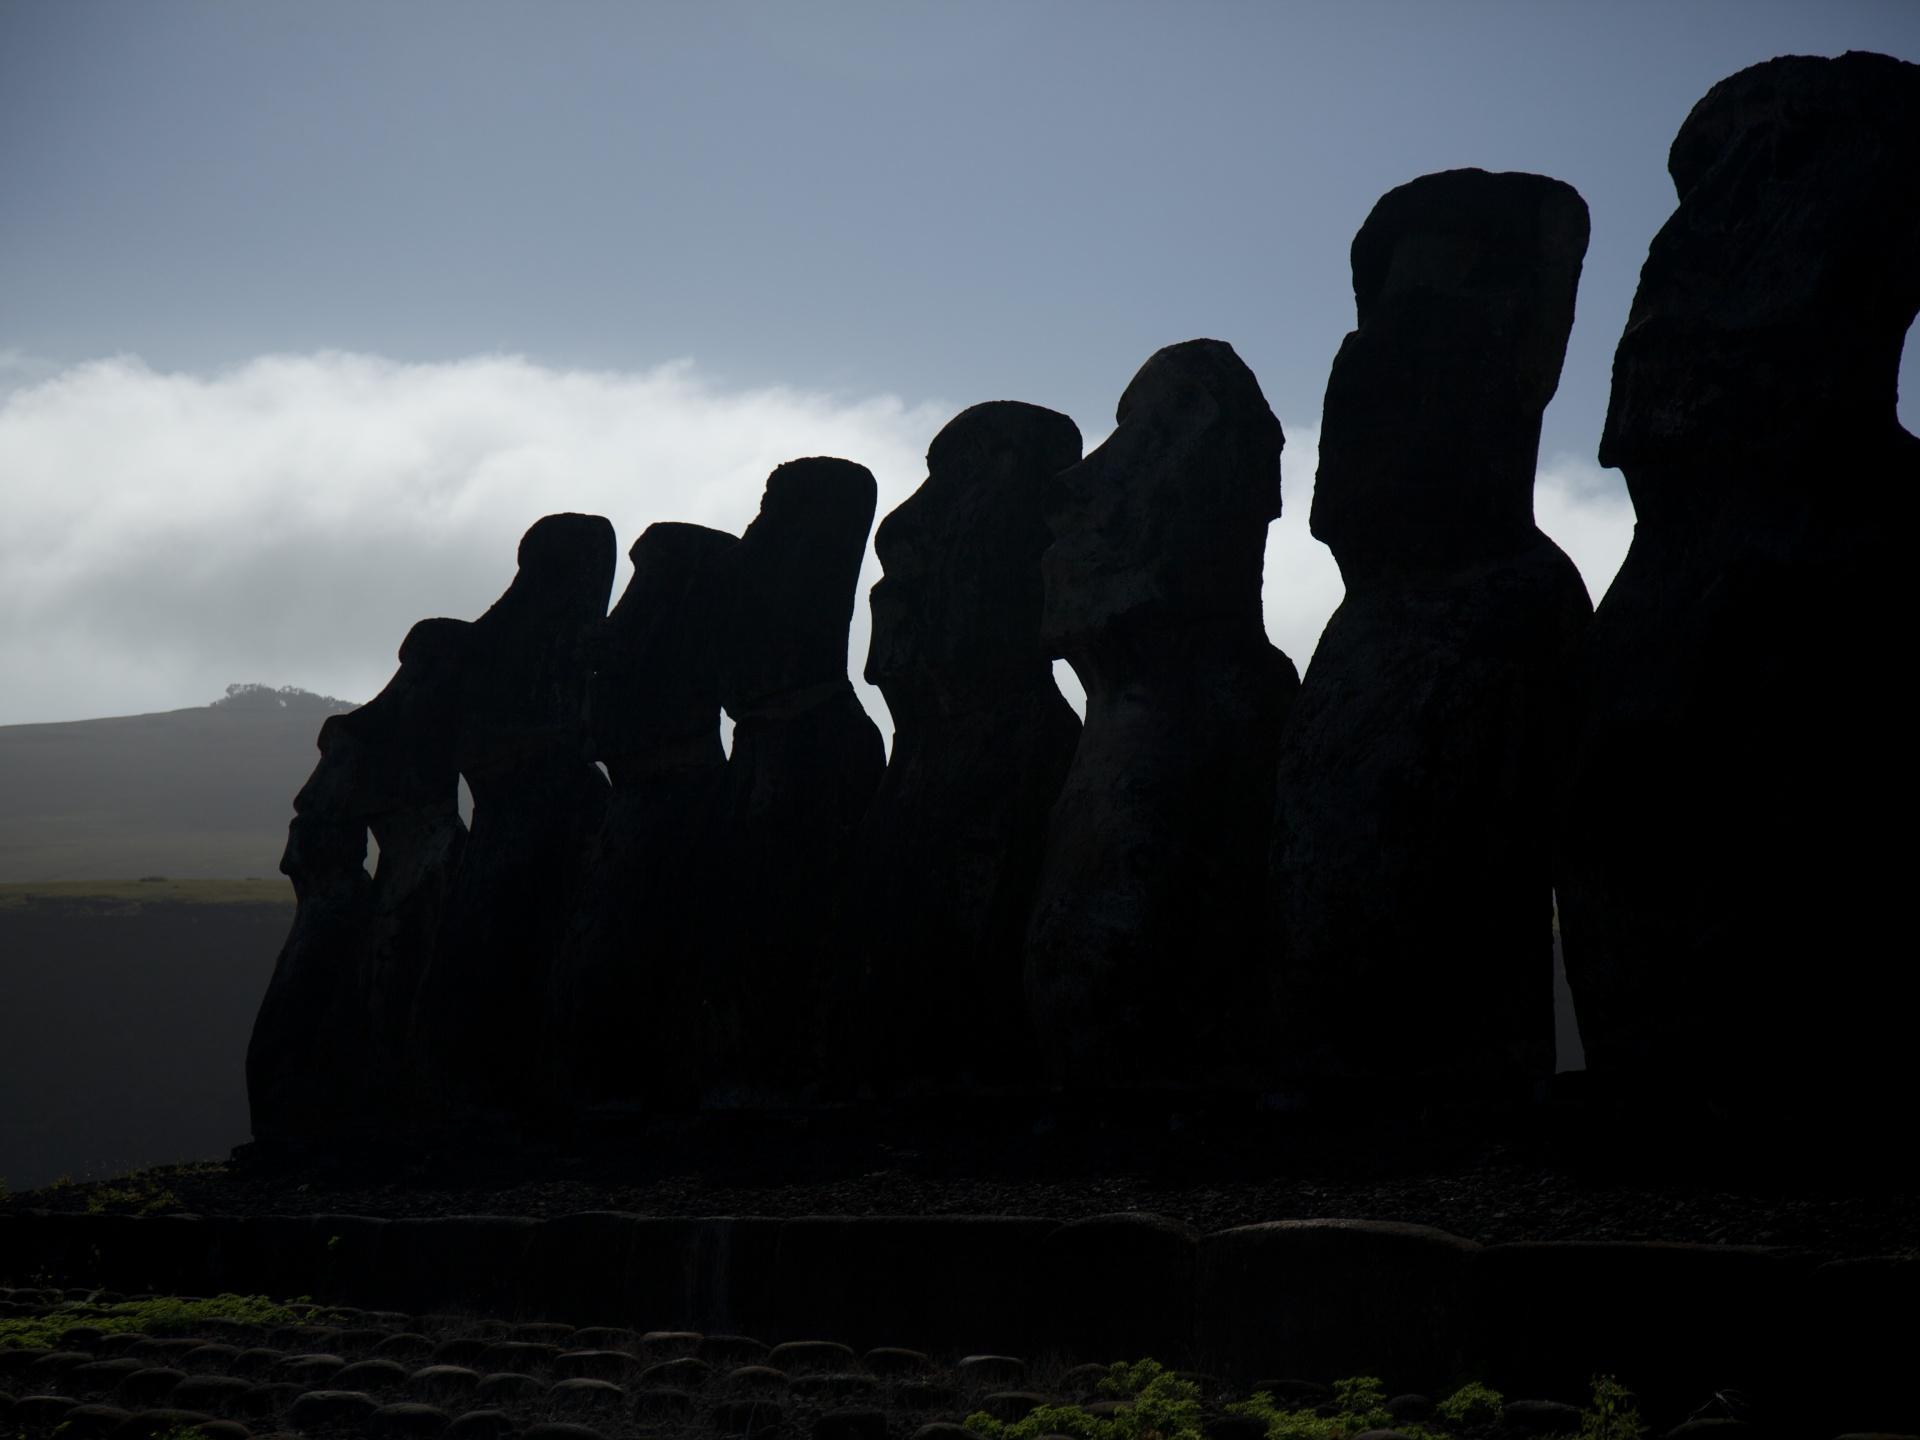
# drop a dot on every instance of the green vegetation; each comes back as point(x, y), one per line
point(1613, 1415)
point(125, 895)
point(1159, 1405)
point(158, 1315)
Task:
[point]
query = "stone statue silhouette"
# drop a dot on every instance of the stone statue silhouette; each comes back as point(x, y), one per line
point(621, 995)
point(330, 1057)
point(1144, 963)
point(804, 764)
point(944, 864)
point(1411, 878)
point(537, 800)
point(1726, 881)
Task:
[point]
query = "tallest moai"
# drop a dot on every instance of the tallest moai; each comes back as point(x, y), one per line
point(1727, 882)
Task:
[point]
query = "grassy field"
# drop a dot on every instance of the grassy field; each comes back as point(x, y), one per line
point(153, 890)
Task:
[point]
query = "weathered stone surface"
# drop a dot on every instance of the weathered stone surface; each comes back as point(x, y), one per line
point(1143, 964)
point(1724, 876)
point(944, 864)
point(1411, 875)
point(537, 798)
point(805, 761)
point(620, 992)
point(330, 1042)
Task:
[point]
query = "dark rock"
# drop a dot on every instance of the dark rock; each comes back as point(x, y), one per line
point(1412, 1407)
point(758, 1377)
point(597, 1397)
point(520, 1355)
point(561, 1430)
point(686, 1373)
point(90, 1422)
point(328, 1055)
point(924, 1394)
point(867, 1424)
point(1141, 967)
point(460, 1350)
point(507, 1387)
point(892, 1360)
point(257, 1361)
point(748, 1417)
point(1010, 1407)
point(41, 1413)
point(481, 1425)
point(595, 1364)
point(537, 801)
point(1742, 736)
point(676, 1345)
point(1123, 1284)
point(219, 1394)
point(210, 1358)
point(805, 761)
point(144, 1387)
point(990, 1370)
point(1411, 870)
point(944, 864)
point(332, 1410)
point(663, 1404)
point(157, 1423)
point(834, 1385)
point(307, 1369)
point(56, 1363)
point(407, 1420)
point(373, 1375)
point(543, 1332)
point(442, 1382)
point(941, 1430)
point(104, 1374)
point(731, 1349)
point(801, 1357)
point(604, 1337)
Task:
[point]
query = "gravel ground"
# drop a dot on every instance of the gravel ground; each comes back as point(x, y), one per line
point(1540, 1176)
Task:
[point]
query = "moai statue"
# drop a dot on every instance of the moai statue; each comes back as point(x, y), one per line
point(1411, 876)
point(945, 863)
point(329, 1055)
point(1728, 888)
point(306, 1057)
point(1145, 966)
point(537, 800)
point(805, 761)
point(621, 993)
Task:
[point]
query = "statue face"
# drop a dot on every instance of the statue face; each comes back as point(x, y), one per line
point(1774, 301)
point(1168, 518)
point(958, 606)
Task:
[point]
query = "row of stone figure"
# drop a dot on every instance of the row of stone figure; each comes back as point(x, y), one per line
point(1226, 880)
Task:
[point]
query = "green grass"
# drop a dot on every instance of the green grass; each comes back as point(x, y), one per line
point(1162, 1406)
point(155, 1316)
point(153, 890)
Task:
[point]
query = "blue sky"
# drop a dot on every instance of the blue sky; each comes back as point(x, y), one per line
point(829, 223)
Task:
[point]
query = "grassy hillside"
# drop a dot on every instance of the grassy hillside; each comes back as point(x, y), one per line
point(204, 793)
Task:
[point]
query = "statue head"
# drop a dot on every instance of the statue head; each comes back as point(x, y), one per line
point(1464, 286)
point(956, 615)
point(1775, 300)
point(1167, 520)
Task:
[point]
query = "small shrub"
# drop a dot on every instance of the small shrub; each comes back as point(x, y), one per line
point(1614, 1413)
point(1472, 1404)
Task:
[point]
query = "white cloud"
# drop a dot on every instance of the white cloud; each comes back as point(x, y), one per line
point(1586, 511)
point(286, 521)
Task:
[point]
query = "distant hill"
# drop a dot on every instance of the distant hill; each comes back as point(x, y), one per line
point(193, 794)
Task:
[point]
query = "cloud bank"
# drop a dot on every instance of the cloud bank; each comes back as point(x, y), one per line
point(287, 520)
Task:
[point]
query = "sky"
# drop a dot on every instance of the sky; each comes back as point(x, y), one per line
point(308, 311)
